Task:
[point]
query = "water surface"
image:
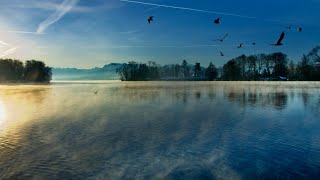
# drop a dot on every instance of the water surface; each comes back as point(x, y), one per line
point(171, 130)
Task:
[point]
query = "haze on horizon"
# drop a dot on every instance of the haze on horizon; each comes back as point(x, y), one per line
point(78, 33)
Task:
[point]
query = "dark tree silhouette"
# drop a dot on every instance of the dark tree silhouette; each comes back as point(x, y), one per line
point(305, 69)
point(197, 70)
point(231, 71)
point(11, 70)
point(16, 71)
point(185, 68)
point(177, 70)
point(211, 72)
point(138, 72)
point(37, 71)
point(280, 62)
point(315, 54)
point(254, 67)
point(242, 60)
point(292, 71)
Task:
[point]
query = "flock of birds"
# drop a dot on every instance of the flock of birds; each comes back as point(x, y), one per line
point(218, 21)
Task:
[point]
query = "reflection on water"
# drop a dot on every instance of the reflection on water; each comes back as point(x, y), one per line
point(171, 130)
point(2, 112)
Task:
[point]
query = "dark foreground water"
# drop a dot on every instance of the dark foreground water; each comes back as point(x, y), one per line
point(160, 130)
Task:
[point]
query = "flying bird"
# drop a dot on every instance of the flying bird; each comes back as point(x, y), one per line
point(299, 29)
point(253, 43)
point(95, 92)
point(279, 40)
point(217, 21)
point(150, 19)
point(289, 27)
point(240, 46)
point(221, 54)
point(222, 38)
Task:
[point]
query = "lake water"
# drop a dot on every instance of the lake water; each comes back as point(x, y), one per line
point(156, 130)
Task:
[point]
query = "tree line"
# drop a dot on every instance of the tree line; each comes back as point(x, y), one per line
point(134, 71)
point(12, 70)
point(275, 66)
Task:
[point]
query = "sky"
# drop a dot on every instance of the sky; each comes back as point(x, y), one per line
point(92, 33)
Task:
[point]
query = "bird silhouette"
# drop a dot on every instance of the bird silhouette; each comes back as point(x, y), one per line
point(221, 54)
point(221, 40)
point(289, 27)
point(299, 29)
point(253, 43)
point(150, 19)
point(217, 21)
point(279, 40)
point(95, 92)
point(240, 46)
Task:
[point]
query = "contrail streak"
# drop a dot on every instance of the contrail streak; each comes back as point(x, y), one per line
point(7, 52)
point(171, 46)
point(4, 43)
point(64, 8)
point(24, 32)
point(189, 9)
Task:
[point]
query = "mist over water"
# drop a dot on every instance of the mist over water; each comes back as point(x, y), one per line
point(171, 130)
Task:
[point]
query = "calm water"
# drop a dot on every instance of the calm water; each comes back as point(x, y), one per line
point(171, 130)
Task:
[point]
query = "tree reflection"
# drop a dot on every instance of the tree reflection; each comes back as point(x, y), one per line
point(256, 97)
point(198, 95)
point(155, 131)
point(311, 101)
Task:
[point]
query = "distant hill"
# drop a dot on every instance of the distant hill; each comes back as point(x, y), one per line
point(108, 72)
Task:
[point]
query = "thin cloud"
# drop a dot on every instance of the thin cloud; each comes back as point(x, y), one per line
point(188, 9)
point(7, 52)
point(152, 8)
point(171, 46)
point(130, 32)
point(64, 8)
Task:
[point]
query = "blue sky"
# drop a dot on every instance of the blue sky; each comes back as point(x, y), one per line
point(90, 33)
